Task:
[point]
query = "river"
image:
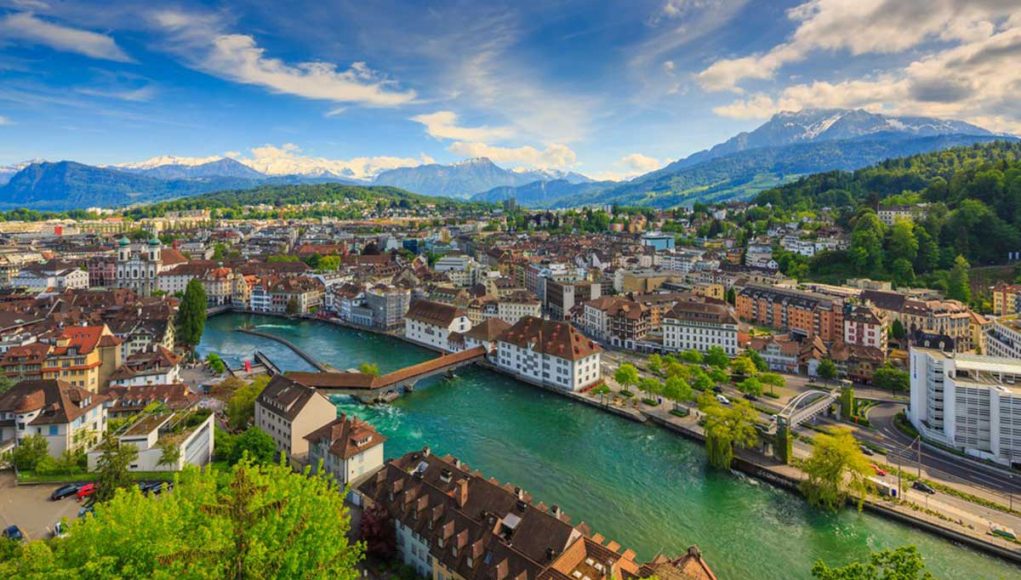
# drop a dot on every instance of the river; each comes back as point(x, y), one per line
point(642, 486)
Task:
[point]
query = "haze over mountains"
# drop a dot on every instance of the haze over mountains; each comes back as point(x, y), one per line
point(786, 147)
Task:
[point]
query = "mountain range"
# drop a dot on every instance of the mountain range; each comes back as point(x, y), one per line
point(788, 146)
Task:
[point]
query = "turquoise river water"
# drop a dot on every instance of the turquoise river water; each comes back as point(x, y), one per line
point(642, 486)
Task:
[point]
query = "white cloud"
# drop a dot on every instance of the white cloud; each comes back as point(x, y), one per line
point(443, 125)
point(862, 27)
point(554, 156)
point(29, 28)
point(237, 57)
point(288, 159)
point(5, 121)
point(135, 95)
point(641, 163)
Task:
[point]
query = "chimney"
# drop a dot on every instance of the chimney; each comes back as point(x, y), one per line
point(555, 511)
point(426, 451)
point(520, 493)
point(461, 493)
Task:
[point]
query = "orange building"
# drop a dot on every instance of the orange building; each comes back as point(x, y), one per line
point(799, 312)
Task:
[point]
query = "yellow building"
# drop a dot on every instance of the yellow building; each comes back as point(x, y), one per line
point(84, 356)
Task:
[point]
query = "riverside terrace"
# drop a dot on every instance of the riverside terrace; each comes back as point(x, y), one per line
point(370, 388)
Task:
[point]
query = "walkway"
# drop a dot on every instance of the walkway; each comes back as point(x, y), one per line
point(307, 357)
point(370, 388)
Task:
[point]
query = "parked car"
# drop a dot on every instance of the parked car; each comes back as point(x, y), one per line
point(722, 399)
point(86, 509)
point(751, 397)
point(717, 389)
point(65, 491)
point(59, 530)
point(923, 487)
point(86, 490)
point(13, 533)
point(153, 487)
point(867, 451)
point(879, 470)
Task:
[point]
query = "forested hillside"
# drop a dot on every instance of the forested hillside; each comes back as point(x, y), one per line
point(972, 215)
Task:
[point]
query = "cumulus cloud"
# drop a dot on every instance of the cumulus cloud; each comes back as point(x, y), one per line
point(205, 46)
point(627, 167)
point(641, 163)
point(862, 27)
point(27, 27)
point(443, 125)
point(554, 156)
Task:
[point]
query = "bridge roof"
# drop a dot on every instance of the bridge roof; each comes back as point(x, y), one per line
point(363, 381)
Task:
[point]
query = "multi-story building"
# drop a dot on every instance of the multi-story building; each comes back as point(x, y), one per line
point(68, 417)
point(1003, 338)
point(865, 325)
point(562, 297)
point(550, 354)
point(431, 324)
point(388, 304)
point(700, 325)
point(801, 313)
point(139, 265)
point(288, 411)
point(102, 271)
point(452, 523)
point(930, 321)
point(1006, 299)
point(347, 448)
point(515, 306)
point(83, 356)
point(152, 434)
point(617, 320)
point(891, 214)
point(969, 402)
point(52, 276)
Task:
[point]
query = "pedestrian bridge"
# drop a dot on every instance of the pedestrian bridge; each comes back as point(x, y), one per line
point(805, 406)
point(370, 388)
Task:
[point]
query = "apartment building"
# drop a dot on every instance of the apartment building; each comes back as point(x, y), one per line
point(1006, 299)
point(930, 321)
point(700, 325)
point(68, 417)
point(562, 297)
point(347, 448)
point(865, 325)
point(388, 304)
point(431, 324)
point(1003, 338)
point(52, 276)
point(549, 353)
point(802, 313)
point(288, 411)
point(969, 402)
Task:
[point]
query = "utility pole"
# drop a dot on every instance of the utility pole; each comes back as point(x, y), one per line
point(919, 441)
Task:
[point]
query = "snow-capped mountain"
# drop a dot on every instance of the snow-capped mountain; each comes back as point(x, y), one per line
point(8, 171)
point(222, 167)
point(815, 125)
point(465, 178)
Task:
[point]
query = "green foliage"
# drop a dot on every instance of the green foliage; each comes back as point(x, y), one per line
point(650, 386)
point(191, 315)
point(677, 390)
point(266, 522)
point(30, 451)
point(241, 405)
point(904, 563)
point(112, 467)
point(727, 429)
point(170, 451)
point(216, 363)
point(253, 443)
point(293, 306)
point(717, 357)
point(890, 377)
point(282, 259)
point(836, 467)
point(897, 329)
point(827, 369)
point(626, 376)
point(743, 366)
point(958, 285)
point(5, 384)
point(692, 356)
point(751, 386)
point(655, 363)
point(369, 368)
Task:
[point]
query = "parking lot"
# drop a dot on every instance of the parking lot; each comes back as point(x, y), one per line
point(29, 507)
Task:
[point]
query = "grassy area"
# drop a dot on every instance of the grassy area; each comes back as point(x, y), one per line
point(28, 477)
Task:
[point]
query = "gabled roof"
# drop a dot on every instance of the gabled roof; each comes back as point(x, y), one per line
point(57, 401)
point(347, 437)
point(285, 397)
point(434, 313)
point(551, 337)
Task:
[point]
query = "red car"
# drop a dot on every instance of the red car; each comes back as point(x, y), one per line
point(879, 470)
point(86, 490)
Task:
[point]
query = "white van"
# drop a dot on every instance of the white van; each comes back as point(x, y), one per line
point(722, 399)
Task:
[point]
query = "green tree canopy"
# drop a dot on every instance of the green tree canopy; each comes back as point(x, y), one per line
point(727, 429)
point(626, 376)
point(836, 467)
point(112, 468)
point(241, 405)
point(827, 369)
point(904, 563)
point(717, 357)
point(191, 315)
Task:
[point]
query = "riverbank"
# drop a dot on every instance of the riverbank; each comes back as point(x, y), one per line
point(479, 429)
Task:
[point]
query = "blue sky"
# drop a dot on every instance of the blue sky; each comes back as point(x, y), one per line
point(610, 88)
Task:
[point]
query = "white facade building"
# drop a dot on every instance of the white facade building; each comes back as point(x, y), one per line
point(1003, 339)
point(969, 402)
point(549, 353)
point(347, 448)
point(431, 323)
point(700, 326)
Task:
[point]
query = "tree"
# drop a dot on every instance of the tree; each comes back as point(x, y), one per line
point(889, 377)
point(170, 451)
point(958, 285)
point(191, 314)
point(265, 522)
point(329, 264)
point(700, 380)
point(751, 386)
point(5, 384)
point(293, 307)
point(773, 380)
point(901, 243)
point(255, 444)
point(731, 296)
point(377, 531)
point(827, 369)
point(112, 467)
point(626, 376)
point(742, 366)
point(216, 363)
point(677, 390)
point(369, 368)
point(29, 452)
point(866, 250)
point(717, 357)
point(836, 458)
point(727, 429)
point(650, 386)
point(241, 405)
point(897, 329)
point(692, 356)
point(655, 363)
point(904, 563)
point(760, 363)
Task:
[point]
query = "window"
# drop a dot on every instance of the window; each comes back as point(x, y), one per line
point(53, 430)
